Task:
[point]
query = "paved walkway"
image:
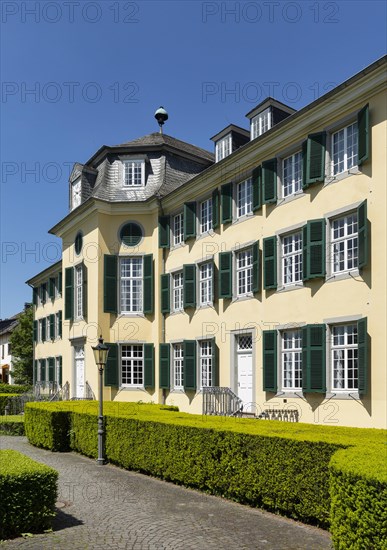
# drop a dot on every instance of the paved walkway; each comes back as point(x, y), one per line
point(105, 507)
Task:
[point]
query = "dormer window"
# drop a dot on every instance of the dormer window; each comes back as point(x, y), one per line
point(261, 123)
point(134, 173)
point(223, 148)
point(76, 196)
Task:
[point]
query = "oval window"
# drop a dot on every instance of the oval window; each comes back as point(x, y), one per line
point(78, 243)
point(131, 234)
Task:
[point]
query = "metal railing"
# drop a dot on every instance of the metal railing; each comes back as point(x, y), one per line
point(284, 415)
point(63, 393)
point(88, 395)
point(221, 402)
point(45, 390)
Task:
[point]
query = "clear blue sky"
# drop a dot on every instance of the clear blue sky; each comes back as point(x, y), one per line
point(78, 74)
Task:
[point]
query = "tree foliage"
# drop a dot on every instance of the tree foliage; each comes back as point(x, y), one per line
point(22, 348)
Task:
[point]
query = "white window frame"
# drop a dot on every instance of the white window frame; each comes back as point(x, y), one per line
point(78, 291)
point(347, 350)
point(345, 240)
point(294, 258)
point(290, 170)
point(40, 326)
point(246, 269)
point(178, 229)
point(178, 366)
point(261, 123)
point(128, 362)
point(344, 162)
point(292, 355)
point(76, 193)
point(57, 326)
point(205, 216)
point(134, 173)
point(206, 280)
point(135, 290)
point(244, 198)
point(223, 148)
point(57, 370)
point(57, 293)
point(206, 368)
point(177, 291)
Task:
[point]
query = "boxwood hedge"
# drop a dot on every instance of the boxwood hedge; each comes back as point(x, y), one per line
point(4, 399)
point(27, 495)
point(12, 425)
point(299, 470)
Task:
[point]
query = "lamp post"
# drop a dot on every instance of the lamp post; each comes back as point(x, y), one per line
point(101, 352)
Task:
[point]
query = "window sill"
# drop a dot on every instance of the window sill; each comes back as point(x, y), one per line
point(242, 298)
point(343, 395)
point(177, 390)
point(176, 312)
point(125, 315)
point(209, 233)
point(291, 394)
point(177, 246)
point(290, 198)
point(205, 306)
point(288, 288)
point(131, 388)
point(354, 171)
point(343, 275)
point(243, 218)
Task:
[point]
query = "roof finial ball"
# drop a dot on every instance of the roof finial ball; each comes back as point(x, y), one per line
point(161, 116)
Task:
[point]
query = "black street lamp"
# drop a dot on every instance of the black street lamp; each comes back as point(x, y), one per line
point(101, 352)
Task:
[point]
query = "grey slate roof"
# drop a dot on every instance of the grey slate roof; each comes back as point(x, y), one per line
point(7, 325)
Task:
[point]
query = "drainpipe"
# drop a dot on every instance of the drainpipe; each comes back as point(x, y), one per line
point(163, 395)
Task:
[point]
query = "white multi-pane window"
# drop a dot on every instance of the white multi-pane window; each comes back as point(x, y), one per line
point(344, 251)
point(177, 279)
point(42, 293)
point(223, 148)
point(344, 149)
point(244, 272)
point(132, 365)
point(206, 366)
point(178, 367)
point(178, 232)
point(261, 123)
point(76, 193)
point(205, 216)
point(78, 292)
point(292, 258)
point(134, 173)
point(291, 360)
point(344, 357)
point(57, 369)
point(58, 285)
point(42, 327)
point(292, 174)
point(57, 325)
point(206, 283)
point(244, 198)
point(131, 285)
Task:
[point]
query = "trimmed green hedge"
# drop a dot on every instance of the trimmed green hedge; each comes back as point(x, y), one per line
point(285, 467)
point(4, 399)
point(27, 495)
point(14, 388)
point(12, 425)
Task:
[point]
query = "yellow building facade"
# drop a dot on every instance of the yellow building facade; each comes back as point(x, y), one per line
point(252, 280)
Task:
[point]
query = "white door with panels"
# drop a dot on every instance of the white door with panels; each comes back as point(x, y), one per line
point(244, 357)
point(79, 363)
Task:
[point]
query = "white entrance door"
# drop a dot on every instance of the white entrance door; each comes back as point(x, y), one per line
point(245, 370)
point(79, 360)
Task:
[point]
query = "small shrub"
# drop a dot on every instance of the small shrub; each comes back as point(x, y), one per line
point(27, 495)
point(12, 425)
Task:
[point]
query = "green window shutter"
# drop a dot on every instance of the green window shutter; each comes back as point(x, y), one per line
point(51, 287)
point(189, 220)
point(313, 358)
point(215, 209)
point(148, 284)
point(189, 278)
point(35, 376)
point(44, 329)
point(225, 275)
point(362, 361)
point(189, 353)
point(51, 369)
point(363, 135)
point(270, 262)
point(315, 158)
point(149, 366)
point(256, 268)
point(84, 291)
point(362, 237)
point(35, 331)
point(42, 370)
point(304, 163)
point(257, 188)
point(60, 371)
point(60, 283)
point(35, 292)
point(52, 327)
point(165, 293)
point(269, 181)
point(269, 360)
point(44, 293)
point(215, 364)
point(164, 366)
point(164, 232)
point(110, 284)
point(60, 324)
point(313, 246)
point(69, 293)
point(111, 368)
point(226, 202)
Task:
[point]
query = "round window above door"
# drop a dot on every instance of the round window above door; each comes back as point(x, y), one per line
point(131, 234)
